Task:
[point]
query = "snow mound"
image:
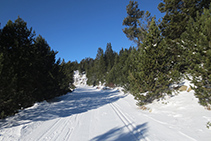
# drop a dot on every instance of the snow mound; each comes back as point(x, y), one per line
point(181, 110)
point(79, 79)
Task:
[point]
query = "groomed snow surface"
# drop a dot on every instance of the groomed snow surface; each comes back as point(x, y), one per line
point(91, 114)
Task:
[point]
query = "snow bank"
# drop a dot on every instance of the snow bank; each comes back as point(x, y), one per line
point(182, 111)
point(79, 79)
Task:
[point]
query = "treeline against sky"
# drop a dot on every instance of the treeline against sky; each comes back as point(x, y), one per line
point(29, 71)
point(177, 46)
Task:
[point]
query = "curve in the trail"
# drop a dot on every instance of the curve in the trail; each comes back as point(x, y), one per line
point(85, 114)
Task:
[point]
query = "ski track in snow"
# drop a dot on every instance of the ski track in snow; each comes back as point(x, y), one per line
point(89, 114)
point(128, 123)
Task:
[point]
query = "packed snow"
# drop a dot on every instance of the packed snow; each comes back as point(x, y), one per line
point(97, 114)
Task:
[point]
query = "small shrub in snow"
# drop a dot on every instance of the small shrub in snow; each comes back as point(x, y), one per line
point(208, 125)
point(164, 103)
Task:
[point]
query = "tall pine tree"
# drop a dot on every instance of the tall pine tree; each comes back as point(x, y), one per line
point(28, 69)
point(137, 22)
point(109, 57)
point(152, 69)
point(197, 42)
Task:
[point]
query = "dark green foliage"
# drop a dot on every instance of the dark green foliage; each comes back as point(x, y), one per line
point(109, 67)
point(97, 70)
point(175, 22)
point(197, 41)
point(66, 70)
point(118, 75)
point(152, 73)
point(109, 57)
point(137, 22)
point(100, 66)
point(177, 14)
point(186, 25)
point(85, 64)
point(43, 65)
point(94, 69)
point(28, 69)
point(16, 45)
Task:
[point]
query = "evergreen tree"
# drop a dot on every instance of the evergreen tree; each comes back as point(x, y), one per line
point(28, 69)
point(137, 22)
point(99, 53)
point(125, 67)
point(113, 75)
point(101, 69)
point(96, 68)
point(177, 13)
point(152, 69)
point(43, 64)
point(86, 64)
point(174, 23)
point(68, 71)
point(91, 72)
point(65, 77)
point(109, 57)
point(197, 42)
point(118, 75)
point(16, 45)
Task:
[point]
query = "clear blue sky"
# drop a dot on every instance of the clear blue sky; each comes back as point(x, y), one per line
point(76, 28)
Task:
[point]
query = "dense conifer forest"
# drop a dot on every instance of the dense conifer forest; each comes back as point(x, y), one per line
point(29, 71)
point(174, 47)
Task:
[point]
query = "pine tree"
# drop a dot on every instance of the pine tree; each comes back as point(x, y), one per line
point(97, 70)
point(91, 73)
point(16, 45)
point(2, 96)
point(102, 69)
point(43, 64)
point(109, 57)
point(177, 14)
point(28, 69)
point(137, 22)
point(125, 67)
point(113, 74)
point(197, 42)
point(118, 75)
point(152, 69)
point(65, 77)
point(174, 23)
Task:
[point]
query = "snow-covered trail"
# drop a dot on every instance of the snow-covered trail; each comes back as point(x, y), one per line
point(89, 114)
point(86, 114)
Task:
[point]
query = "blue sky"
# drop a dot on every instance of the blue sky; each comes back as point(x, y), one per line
point(76, 28)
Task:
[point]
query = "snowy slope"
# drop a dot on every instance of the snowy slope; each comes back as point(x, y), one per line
point(90, 114)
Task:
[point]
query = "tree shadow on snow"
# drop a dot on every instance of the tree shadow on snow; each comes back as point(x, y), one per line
point(117, 134)
point(81, 100)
